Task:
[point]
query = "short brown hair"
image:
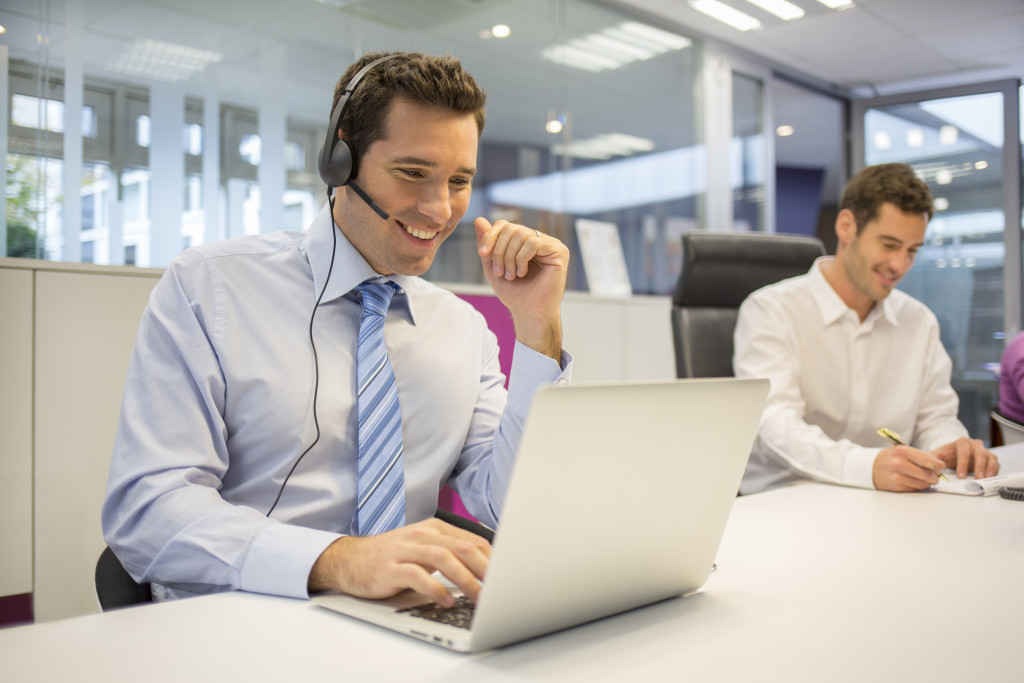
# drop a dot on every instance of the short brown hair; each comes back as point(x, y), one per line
point(427, 80)
point(873, 186)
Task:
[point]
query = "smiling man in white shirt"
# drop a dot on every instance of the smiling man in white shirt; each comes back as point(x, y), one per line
point(847, 353)
point(236, 457)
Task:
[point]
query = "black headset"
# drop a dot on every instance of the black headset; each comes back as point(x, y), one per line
point(337, 159)
point(335, 163)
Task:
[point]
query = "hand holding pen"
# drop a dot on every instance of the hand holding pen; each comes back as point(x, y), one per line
point(896, 440)
point(904, 468)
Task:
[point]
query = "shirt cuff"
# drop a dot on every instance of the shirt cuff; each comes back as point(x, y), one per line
point(859, 468)
point(532, 370)
point(280, 559)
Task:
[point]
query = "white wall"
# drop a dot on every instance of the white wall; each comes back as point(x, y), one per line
point(85, 327)
point(77, 351)
point(16, 432)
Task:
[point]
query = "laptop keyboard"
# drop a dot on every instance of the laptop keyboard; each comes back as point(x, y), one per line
point(459, 615)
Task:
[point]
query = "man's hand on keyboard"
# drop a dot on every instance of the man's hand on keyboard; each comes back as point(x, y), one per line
point(384, 565)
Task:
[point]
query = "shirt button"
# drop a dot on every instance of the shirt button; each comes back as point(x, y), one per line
point(561, 380)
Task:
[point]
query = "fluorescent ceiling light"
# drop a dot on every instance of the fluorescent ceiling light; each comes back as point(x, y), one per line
point(784, 131)
point(948, 135)
point(882, 140)
point(941, 203)
point(163, 61)
point(655, 36)
point(981, 165)
point(595, 50)
point(615, 47)
point(501, 31)
point(619, 47)
point(726, 14)
point(783, 9)
point(605, 146)
point(915, 137)
point(837, 4)
point(579, 59)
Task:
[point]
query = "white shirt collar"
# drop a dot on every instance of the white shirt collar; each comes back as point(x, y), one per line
point(832, 307)
point(349, 269)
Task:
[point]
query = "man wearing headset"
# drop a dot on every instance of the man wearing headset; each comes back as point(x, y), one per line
point(235, 463)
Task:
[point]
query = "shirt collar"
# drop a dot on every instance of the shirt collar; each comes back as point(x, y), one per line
point(349, 269)
point(832, 307)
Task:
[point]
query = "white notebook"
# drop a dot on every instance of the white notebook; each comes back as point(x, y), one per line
point(978, 487)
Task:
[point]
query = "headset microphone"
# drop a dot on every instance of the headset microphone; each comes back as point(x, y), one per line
point(336, 159)
point(369, 202)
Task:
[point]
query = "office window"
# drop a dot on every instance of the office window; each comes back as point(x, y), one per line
point(32, 112)
point(193, 139)
point(571, 133)
point(249, 148)
point(748, 157)
point(142, 130)
point(954, 142)
point(88, 213)
point(294, 156)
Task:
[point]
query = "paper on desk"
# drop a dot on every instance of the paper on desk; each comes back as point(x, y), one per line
point(978, 487)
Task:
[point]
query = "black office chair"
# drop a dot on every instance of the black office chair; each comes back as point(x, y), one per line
point(116, 588)
point(719, 271)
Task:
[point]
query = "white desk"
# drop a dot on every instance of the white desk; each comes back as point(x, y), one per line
point(815, 583)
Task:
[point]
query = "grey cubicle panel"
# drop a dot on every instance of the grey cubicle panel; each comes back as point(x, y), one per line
point(16, 431)
point(85, 329)
point(78, 350)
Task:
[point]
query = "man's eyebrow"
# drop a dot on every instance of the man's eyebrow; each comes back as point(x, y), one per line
point(416, 161)
point(897, 240)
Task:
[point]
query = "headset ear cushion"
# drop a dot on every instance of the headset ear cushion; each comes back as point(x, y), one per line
point(339, 169)
point(341, 164)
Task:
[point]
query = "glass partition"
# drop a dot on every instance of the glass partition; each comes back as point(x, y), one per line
point(956, 142)
point(590, 115)
point(748, 163)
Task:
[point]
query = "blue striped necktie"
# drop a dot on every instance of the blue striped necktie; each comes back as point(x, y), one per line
point(381, 480)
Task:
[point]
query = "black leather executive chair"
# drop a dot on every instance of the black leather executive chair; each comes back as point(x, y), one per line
point(719, 271)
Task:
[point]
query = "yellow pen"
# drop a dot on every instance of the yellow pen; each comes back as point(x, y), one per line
point(897, 440)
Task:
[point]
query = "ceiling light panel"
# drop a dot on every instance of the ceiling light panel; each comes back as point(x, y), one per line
point(655, 36)
point(605, 146)
point(615, 47)
point(163, 61)
point(741, 21)
point(783, 9)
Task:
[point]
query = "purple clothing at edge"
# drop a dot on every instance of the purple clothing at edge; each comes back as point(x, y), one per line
point(1011, 380)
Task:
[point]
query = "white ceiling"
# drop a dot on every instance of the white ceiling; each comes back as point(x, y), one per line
point(877, 46)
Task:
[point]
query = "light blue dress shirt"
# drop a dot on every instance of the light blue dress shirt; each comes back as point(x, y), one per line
point(218, 405)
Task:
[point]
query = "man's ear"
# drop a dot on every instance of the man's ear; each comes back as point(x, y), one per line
point(846, 227)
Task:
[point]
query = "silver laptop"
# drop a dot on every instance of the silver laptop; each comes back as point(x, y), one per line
point(619, 499)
